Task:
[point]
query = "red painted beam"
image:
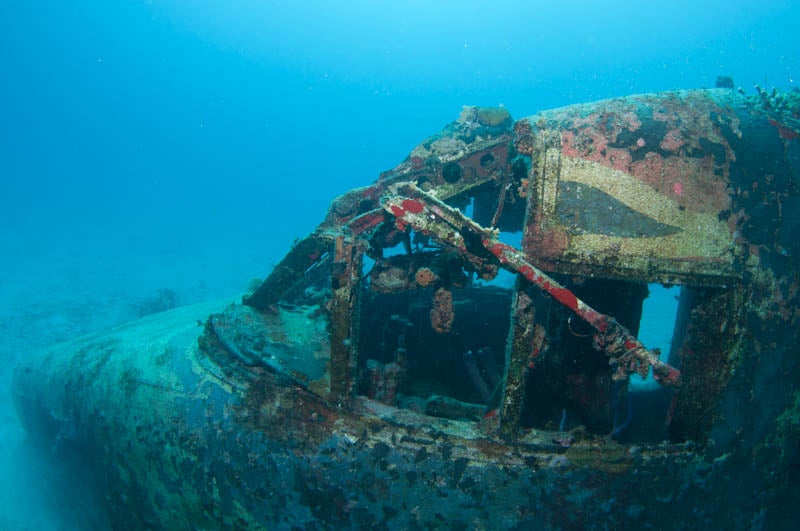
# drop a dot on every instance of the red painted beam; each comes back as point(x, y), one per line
point(425, 212)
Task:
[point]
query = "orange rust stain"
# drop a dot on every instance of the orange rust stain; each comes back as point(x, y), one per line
point(551, 243)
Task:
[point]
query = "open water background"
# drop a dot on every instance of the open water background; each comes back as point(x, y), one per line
point(183, 145)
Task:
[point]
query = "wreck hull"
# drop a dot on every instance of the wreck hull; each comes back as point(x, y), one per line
point(176, 446)
point(257, 416)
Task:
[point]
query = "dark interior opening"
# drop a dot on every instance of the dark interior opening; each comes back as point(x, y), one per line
point(454, 370)
point(404, 361)
point(569, 387)
point(570, 384)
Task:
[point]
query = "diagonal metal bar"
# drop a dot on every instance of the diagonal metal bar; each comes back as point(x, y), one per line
point(422, 211)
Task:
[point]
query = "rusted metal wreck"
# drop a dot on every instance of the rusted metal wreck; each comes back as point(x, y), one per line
point(382, 377)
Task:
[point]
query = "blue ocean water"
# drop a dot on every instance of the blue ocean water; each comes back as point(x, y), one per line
point(182, 146)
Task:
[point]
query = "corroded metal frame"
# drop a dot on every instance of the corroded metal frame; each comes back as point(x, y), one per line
point(451, 166)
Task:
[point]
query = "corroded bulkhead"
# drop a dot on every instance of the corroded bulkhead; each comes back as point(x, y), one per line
point(452, 347)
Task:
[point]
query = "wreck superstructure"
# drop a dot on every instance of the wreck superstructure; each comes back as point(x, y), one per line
point(452, 346)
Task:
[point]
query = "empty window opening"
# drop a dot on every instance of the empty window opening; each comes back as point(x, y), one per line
point(497, 204)
point(656, 329)
point(437, 350)
point(469, 210)
point(400, 247)
point(569, 383)
point(432, 336)
point(514, 239)
point(314, 288)
point(504, 279)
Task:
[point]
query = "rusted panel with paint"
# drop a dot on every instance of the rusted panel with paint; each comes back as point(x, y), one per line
point(468, 152)
point(634, 187)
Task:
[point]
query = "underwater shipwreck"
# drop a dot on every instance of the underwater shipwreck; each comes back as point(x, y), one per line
point(453, 347)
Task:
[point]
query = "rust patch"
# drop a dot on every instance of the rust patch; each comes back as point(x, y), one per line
point(542, 245)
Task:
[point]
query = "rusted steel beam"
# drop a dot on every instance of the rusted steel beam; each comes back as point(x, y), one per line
point(481, 246)
point(520, 348)
point(344, 319)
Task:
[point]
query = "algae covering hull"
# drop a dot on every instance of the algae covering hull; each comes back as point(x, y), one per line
point(178, 448)
point(384, 376)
